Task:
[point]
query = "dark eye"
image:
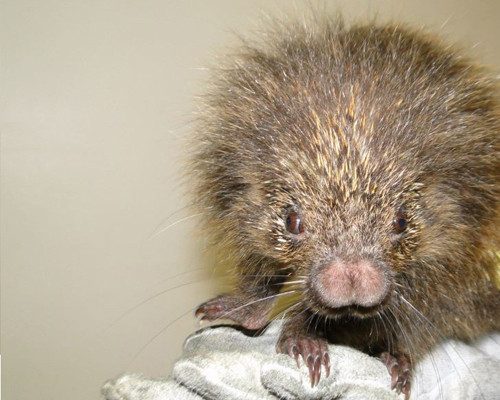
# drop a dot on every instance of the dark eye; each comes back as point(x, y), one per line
point(400, 222)
point(294, 223)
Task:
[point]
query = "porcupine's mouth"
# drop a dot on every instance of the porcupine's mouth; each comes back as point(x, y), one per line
point(353, 310)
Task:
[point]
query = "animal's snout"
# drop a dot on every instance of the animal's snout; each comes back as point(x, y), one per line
point(340, 283)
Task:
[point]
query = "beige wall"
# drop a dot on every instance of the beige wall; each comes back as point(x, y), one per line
point(96, 97)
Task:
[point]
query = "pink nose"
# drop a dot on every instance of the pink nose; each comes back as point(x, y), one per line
point(342, 284)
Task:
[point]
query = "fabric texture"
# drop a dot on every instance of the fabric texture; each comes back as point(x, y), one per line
point(222, 363)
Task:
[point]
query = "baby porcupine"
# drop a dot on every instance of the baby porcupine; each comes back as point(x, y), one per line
point(358, 168)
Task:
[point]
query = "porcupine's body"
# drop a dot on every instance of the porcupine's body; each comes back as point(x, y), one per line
point(359, 168)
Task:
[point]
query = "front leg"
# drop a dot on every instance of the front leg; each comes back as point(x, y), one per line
point(249, 305)
point(298, 340)
point(248, 311)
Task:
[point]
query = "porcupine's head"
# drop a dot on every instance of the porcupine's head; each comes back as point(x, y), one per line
point(363, 161)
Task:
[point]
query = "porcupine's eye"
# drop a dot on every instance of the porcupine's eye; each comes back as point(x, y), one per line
point(294, 223)
point(400, 221)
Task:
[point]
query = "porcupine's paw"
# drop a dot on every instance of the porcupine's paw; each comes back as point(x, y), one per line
point(249, 314)
point(314, 352)
point(400, 369)
point(214, 309)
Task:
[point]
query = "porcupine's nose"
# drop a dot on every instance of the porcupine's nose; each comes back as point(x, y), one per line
point(342, 283)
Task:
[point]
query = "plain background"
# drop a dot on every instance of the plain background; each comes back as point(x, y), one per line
point(96, 102)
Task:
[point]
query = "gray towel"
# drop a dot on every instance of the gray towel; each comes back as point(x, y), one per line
point(224, 364)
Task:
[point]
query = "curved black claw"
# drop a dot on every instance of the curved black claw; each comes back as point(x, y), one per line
point(314, 352)
point(400, 370)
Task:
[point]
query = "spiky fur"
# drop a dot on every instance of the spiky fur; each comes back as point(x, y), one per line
point(348, 124)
